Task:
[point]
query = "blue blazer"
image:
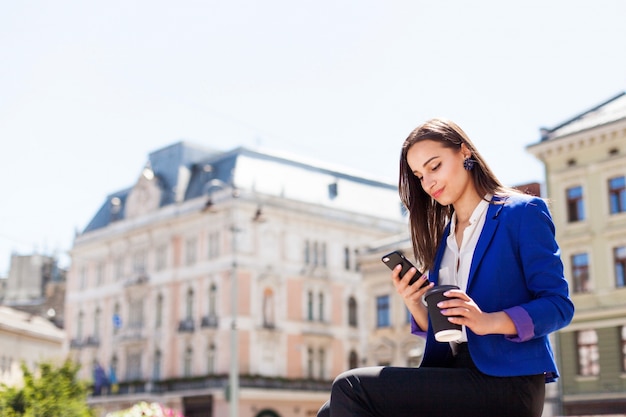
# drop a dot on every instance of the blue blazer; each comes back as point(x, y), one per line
point(516, 268)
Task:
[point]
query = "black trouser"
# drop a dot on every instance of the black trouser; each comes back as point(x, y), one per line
point(458, 391)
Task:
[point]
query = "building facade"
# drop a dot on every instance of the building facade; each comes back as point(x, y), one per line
point(585, 164)
point(27, 339)
point(35, 285)
point(223, 266)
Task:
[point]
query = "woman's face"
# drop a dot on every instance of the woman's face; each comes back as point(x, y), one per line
point(440, 170)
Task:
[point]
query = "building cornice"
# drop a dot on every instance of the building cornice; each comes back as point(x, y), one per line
point(579, 141)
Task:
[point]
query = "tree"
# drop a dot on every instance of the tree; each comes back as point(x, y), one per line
point(50, 392)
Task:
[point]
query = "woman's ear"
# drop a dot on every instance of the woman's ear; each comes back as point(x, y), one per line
point(465, 151)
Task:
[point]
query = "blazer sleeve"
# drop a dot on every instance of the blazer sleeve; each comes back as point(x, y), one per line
point(550, 307)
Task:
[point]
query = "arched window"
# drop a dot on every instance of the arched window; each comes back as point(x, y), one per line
point(158, 319)
point(79, 326)
point(96, 323)
point(212, 300)
point(189, 304)
point(268, 308)
point(352, 312)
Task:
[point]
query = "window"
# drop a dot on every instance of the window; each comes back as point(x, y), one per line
point(346, 258)
point(117, 318)
point(619, 260)
point(382, 311)
point(332, 190)
point(352, 312)
point(139, 263)
point(588, 354)
point(623, 338)
point(135, 314)
point(79, 326)
point(188, 361)
point(268, 308)
point(83, 278)
point(575, 207)
point(309, 305)
point(580, 272)
point(119, 268)
point(353, 360)
point(113, 369)
point(156, 365)
point(321, 306)
point(322, 363)
point(211, 359)
point(133, 366)
point(307, 254)
point(190, 251)
point(158, 319)
point(617, 195)
point(214, 245)
point(309, 362)
point(315, 253)
point(100, 273)
point(189, 305)
point(213, 300)
point(161, 258)
point(96, 323)
point(323, 254)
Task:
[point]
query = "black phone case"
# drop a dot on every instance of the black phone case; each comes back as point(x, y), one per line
point(396, 257)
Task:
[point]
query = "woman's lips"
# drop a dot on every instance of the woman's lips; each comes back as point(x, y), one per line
point(437, 193)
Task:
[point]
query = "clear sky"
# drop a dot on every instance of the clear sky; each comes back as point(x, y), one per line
point(89, 89)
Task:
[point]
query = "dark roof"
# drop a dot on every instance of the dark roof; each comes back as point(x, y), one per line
point(187, 170)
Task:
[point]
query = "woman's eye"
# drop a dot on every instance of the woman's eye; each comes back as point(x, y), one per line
point(436, 167)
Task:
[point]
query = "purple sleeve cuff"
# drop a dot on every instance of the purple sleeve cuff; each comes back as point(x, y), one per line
point(415, 328)
point(523, 323)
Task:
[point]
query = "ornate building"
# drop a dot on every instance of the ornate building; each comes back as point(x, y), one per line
point(585, 162)
point(226, 276)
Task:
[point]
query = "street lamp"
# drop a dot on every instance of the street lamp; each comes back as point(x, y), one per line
point(233, 375)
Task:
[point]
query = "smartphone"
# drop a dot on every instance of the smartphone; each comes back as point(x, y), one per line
point(396, 257)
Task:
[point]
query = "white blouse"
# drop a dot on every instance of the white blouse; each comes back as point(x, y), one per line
point(456, 262)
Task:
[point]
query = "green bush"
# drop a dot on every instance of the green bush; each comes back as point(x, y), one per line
point(51, 391)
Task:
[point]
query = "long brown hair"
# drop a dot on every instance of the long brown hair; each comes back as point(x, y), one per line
point(427, 218)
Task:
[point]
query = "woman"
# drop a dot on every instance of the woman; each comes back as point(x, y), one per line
point(497, 245)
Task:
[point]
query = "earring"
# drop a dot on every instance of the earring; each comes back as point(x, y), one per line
point(468, 163)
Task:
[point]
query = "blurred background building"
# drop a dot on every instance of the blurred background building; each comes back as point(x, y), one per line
point(585, 162)
point(35, 285)
point(154, 275)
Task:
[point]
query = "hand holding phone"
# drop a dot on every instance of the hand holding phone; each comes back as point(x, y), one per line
point(396, 258)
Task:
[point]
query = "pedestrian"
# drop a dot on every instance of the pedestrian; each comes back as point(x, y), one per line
point(498, 246)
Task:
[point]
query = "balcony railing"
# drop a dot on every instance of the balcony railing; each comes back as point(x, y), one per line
point(92, 341)
point(138, 278)
point(132, 333)
point(186, 325)
point(210, 321)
